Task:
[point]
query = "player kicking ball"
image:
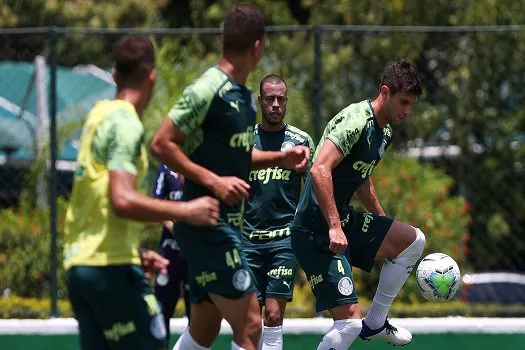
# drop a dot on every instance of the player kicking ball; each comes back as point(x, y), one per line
point(329, 236)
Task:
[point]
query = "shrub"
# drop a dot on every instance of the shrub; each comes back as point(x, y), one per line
point(24, 249)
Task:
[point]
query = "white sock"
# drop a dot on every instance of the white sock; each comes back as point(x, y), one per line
point(341, 335)
point(393, 276)
point(272, 338)
point(236, 347)
point(186, 342)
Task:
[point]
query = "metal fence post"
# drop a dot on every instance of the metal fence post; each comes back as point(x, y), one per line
point(318, 82)
point(53, 159)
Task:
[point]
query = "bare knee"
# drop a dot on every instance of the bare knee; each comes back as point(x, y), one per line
point(274, 311)
point(273, 317)
point(249, 330)
point(399, 237)
point(345, 312)
point(253, 326)
point(205, 323)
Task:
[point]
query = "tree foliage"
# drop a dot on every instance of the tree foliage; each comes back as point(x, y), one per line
point(473, 80)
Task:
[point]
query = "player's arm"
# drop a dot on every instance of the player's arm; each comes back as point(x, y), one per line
point(328, 158)
point(186, 117)
point(123, 145)
point(295, 158)
point(129, 203)
point(335, 148)
point(160, 192)
point(367, 195)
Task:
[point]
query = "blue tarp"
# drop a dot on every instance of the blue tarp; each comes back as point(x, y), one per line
point(77, 90)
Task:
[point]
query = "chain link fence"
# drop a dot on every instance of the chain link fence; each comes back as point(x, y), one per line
point(456, 169)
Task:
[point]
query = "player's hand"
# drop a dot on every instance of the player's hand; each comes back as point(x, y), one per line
point(203, 211)
point(230, 189)
point(152, 263)
point(296, 158)
point(338, 241)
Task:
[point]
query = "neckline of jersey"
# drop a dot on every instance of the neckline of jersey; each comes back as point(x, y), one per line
point(228, 77)
point(374, 115)
point(260, 129)
point(125, 105)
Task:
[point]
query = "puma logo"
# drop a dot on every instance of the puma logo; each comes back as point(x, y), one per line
point(287, 284)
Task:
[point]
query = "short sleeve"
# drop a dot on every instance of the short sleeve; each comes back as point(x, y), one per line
point(190, 110)
point(311, 145)
point(125, 136)
point(344, 130)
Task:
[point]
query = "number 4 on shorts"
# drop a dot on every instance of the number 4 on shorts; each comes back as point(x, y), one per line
point(233, 258)
point(340, 267)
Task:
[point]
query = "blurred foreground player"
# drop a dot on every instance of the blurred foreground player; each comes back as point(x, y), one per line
point(112, 301)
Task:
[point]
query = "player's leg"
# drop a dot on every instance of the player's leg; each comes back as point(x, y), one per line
point(272, 332)
point(346, 328)
point(244, 317)
point(330, 277)
point(255, 258)
point(90, 331)
point(281, 268)
point(204, 327)
point(224, 277)
point(125, 307)
point(378, 237)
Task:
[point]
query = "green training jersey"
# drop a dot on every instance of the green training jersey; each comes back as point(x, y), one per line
point(217, 115)
point(112, 140)
point(361, 141)
point(274, 192)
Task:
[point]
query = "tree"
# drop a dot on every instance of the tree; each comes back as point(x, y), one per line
point(473, 80)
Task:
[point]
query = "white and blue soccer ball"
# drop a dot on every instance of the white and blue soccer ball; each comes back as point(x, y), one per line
point(438, 277)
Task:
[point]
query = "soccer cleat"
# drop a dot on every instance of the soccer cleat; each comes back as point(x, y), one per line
point(397, 336)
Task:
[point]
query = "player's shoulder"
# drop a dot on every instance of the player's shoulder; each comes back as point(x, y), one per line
point(302, 136)
point(117, 114)
point(209, 83)
point(353, 116)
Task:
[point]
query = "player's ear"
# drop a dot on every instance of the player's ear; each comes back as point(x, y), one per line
point(385, 92)
point(153, 75)
point(258, 47)
point(259, 98)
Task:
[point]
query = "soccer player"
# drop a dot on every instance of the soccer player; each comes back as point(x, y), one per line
point(168, 185)
point(208, 138)
point(329, 236)
point(274, 193)
point(112, 301)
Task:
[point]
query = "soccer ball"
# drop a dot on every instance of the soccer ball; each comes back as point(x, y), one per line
point(438, 277)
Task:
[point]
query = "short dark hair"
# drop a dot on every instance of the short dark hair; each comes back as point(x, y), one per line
point(273, 79)
point(134, 59)
point(242, 27)
point(400, 76)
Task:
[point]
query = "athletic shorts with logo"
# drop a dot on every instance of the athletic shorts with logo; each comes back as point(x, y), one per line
point(217, 263)
point(273, 269)
point(115, 308)
point(329, 274)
